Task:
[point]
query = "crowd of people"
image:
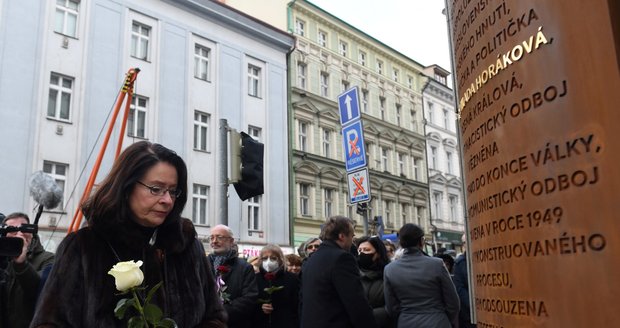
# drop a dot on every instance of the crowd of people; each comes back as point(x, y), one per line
point(336, 280)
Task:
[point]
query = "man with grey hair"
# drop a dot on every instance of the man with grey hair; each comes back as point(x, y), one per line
point(239, 291)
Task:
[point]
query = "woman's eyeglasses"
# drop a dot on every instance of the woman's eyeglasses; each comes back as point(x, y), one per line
point(160, 191)
point(313, 247)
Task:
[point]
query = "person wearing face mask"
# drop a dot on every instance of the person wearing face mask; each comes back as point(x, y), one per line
point(371, 260)
point(280, 309)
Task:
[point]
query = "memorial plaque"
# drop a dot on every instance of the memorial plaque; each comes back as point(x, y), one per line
point(538, 89)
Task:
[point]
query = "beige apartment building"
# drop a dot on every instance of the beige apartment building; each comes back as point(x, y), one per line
point(331, 56)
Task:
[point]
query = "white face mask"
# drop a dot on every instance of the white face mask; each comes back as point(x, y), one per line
point(270, 265)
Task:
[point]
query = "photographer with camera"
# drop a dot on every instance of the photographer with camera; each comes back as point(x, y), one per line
point(22, 274)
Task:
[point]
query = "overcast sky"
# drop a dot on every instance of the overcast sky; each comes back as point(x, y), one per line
point(415, 28)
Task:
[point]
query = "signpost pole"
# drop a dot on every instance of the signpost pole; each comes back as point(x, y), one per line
point(366, 222)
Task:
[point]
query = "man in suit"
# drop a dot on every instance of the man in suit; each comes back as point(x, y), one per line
point(332, 293)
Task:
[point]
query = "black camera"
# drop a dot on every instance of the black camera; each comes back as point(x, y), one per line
point(12, 246)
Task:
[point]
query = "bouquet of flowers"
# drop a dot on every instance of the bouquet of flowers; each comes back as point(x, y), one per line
point(128, 277)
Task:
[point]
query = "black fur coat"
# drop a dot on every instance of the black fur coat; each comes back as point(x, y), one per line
point(80, 293)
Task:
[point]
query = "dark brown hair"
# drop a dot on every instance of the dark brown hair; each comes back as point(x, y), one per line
point(293, 259)
point(109, 204)
point(410, 235)
point(336, 225)
point(16, 215)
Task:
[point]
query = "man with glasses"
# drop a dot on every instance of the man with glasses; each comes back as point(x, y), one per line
point(239, 292)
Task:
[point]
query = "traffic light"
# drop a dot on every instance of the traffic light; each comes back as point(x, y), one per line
point(251, 182)
point(361, 208)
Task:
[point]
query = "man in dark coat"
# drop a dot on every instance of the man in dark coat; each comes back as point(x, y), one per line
point(23, 275)
point(332, 294)
point(461, 282)
point(239, 291)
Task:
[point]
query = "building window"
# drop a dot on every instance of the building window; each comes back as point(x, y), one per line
point(401, 164)
point(343, 46)
point(66, 17)
point(431, 119)
point(255, 132)
point(388, 213)
point(449, 162)
point(382, 107)
point(328, 194)
point(404, 212)
point(324, 84)
point(409, 82)
point(59, 102)
point(453, 200)
point(254, 213)
point(379, 67)
point(440, 78)
point(254, 80)
point(419, 214)
point(395, 74)
point(327, 136)
point(398, 114)
point(140, 35)
point(300, 27)
point(201, 130)
point(434, 157)
point(414, 122)
point(384, 159)
point(322, 38)
point(437, 205)
point(301, 75)
point(445, 118)
point(344, 85)
point(58, 172)
point(136, 122)
point(361, 58)
point(416, 168)
point(369, 153)
point(200, 204)
point(302, 136)
point(304, 199)
point(201, 62)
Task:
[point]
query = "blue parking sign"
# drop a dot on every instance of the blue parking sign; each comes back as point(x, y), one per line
point(348, 105)
point(354, 149)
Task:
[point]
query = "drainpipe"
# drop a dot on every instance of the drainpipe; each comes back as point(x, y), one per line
point(289, 106)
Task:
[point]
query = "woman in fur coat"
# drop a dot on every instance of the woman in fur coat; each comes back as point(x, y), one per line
point(135, 214)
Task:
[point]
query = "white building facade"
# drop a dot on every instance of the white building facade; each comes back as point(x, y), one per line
point(62, 64)
point(444, 171)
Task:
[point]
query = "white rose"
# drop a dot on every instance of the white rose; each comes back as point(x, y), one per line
point(127, 274)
